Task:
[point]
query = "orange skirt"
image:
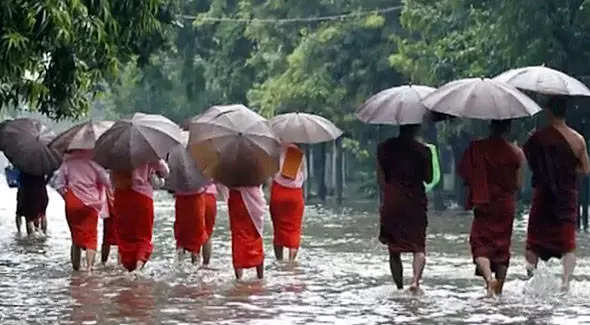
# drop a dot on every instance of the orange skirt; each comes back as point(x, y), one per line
point(246, 242)
point(82, 221)
point(286, 211)
point(189, 224)
point(210, 213)
point(134, 223)
point(109, 230)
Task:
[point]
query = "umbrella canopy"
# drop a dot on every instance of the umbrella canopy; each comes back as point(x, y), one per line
point(133, 142)
point(25, 144)
point(481, 98)
point(544, 80)
point(304, 128)
point(396, 106)
point(235, 147)
point(184, 176)
point(80, 137)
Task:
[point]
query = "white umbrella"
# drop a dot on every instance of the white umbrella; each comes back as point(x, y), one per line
point(544, 80)
point(396, 106)
point(135, 141)
point(82, 136)
point(304, 128)
point(481, 98)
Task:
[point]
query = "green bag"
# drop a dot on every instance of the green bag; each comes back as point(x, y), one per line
point(435, 168)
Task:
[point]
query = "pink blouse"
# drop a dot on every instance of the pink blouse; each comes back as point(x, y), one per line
point(84, 177)
point(140, 177)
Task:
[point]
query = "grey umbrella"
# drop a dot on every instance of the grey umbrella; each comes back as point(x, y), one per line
point(82, 136)
point(25, 144)
point(304, 128)
point(544, 80)
point(234, 146)
point(395, 106)
point(184, 176)
point(135, 141)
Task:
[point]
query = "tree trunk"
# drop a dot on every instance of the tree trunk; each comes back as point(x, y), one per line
point(321, 175)
point(339, 169)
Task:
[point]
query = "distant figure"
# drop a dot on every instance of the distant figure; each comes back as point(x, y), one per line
point(109, 229)
point(403, 166)
point(189, 224)
point(82, 183)
point(13, 180)
point(32, 201)
point(210, 195)
point(246, 207)
point(558, 158)
point(134, 208)
point(286, 202)
point(492, 168)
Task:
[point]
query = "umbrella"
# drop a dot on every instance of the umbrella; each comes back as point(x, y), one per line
point(184, 174)
point(397, 106)
point(82, 136)
point(24, 142)
point(481, 98)
point(544, 80)
point(304, 128)
point(135, 141)
point(235, 147)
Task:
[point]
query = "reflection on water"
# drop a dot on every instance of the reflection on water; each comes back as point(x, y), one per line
point(342, 278)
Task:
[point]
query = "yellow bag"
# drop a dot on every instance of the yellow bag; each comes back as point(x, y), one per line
point(291, 163)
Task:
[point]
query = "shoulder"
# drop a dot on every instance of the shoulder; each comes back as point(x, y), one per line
point(577, 136)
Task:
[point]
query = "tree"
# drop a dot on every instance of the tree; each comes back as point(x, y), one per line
point(53, 54)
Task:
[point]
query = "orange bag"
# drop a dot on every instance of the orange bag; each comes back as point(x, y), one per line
point(291, 163)
point(121, 179)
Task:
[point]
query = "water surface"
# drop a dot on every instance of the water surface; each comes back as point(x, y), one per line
point(342, 278)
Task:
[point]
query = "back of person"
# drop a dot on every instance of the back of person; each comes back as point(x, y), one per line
point(404, 163)
point(82, 177)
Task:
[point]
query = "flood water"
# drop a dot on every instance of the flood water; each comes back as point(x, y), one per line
point(342, 278)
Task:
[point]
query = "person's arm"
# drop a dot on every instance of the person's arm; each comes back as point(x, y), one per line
point(584, 161)
point(380, 176)
point(429, 173)
point(60, 182)
point(162, 169)
point(521, 170)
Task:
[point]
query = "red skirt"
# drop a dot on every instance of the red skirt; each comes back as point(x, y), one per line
point(189, 224)
point(134, 223)
point(548, 236)
point(246, 242)
point(286, 211)
point(82, 221)
point(109, 232)
point(210, 213)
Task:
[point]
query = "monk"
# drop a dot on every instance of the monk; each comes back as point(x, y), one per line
point(82, 183)
point(134, 208)
point(286, 206)
point(558, 159)
point(246, 207)
point(189, 224)
point(493, 170)
point(109, 229)
point(32, 201)
point(403, 166)
point(210, 195)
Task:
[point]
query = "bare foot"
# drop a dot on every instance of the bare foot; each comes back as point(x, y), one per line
point(414, 289)
point(565, 287)
point(492, 287)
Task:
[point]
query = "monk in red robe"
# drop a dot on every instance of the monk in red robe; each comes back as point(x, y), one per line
point(189, 224)
point(210, 195)
point(403, 165)
point(558, 158)
point(134, 207)
point(492, 168)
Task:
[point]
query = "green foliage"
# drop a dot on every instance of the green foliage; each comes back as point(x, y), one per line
point(54, 52)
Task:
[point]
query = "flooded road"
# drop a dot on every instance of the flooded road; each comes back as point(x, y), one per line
point(342, 278)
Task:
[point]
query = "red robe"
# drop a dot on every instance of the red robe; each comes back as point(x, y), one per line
point(490, 169)
point(134, 223)
point(189, 224)
point(210, 212)
point(82, 221)
point(286, 211)
point(554, 211)
point(246, 243)
point(406, 165)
